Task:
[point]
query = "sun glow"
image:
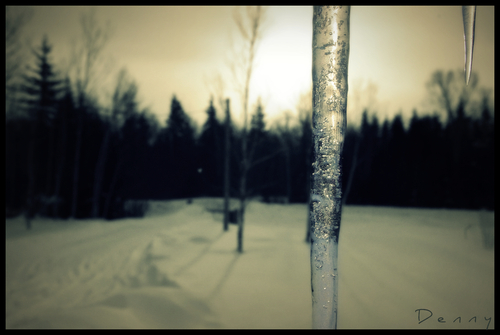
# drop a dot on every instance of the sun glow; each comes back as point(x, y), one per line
point(283, 69)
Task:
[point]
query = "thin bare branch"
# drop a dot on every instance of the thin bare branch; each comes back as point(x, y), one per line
point(87, 54)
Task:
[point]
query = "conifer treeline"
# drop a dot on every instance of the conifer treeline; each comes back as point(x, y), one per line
point(126, 154)
point(427, 165)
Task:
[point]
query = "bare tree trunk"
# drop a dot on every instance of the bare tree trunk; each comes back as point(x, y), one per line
point(251, 30)
point(227, 151)
point(76, 166)
point(354, 163)
point(61, 164)
point(30, 196)
point(243, 182)
point(50, 163)
point(288, 175)
point(112, 187)
point(288, 169)
point(99, 172)
point(241, 212)
point(244, 162)
point(330, 63)
point(305, 126)
point(308, 186)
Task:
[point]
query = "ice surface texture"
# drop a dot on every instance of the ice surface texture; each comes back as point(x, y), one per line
point(329, 70)
point(469, 15)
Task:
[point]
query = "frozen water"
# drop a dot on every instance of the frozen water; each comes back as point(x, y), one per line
point(324, 285)
point(469, 16)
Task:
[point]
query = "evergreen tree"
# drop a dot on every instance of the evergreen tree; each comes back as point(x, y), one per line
point(262, 148)
point(210, 148)
point(179, 125)
point(284, 165)
point(350, 157)
point(137, 133)
point(367, 151)
point(425, 162)
point(16, 165)
point(380, 162)
point(91, 141)
point(483, 147)
point(159, 168)
point(397, 184)
point(257, 125)
point(66, 110)
point(305, 145)
point(41, 88)
point(181, 170)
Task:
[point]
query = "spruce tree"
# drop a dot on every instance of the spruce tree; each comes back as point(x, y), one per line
point(210, 146)
point(41, 89)
point(66, 110)
point(182, 178)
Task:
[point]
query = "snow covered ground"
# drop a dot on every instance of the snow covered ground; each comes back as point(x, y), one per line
point(176, 268)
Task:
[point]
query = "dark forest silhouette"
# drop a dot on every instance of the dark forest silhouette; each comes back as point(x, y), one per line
point(129, 155)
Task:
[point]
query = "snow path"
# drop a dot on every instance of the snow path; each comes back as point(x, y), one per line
point(89, 263)
point(177, 269)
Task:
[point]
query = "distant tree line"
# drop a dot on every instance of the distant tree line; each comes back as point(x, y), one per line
point(69, 156)
point(426, 165)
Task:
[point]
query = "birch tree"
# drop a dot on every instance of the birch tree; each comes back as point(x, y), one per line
point(250, 30)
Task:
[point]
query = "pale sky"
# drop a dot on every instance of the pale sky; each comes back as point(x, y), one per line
point(179, 50)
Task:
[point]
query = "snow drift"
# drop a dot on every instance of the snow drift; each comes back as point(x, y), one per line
point(176, 268)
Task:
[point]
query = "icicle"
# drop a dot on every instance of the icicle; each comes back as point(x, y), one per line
point(330, 63)
point(469, 15)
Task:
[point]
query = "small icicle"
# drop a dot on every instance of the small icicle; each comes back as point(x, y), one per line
point(469, 14)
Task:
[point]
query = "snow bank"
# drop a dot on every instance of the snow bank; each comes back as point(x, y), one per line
point(176, 268)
